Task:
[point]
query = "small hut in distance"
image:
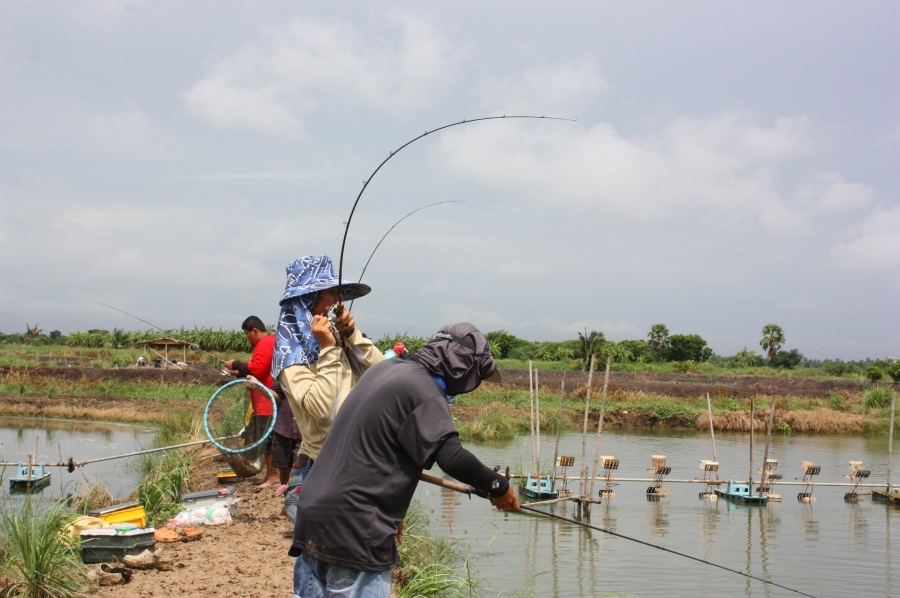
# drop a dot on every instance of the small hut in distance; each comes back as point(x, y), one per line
point(164, 342)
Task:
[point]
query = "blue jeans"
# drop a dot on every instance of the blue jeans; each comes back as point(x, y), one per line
point(292, 494)
point(315, 579)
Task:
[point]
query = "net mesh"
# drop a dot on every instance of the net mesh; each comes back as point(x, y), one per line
point(235, 429)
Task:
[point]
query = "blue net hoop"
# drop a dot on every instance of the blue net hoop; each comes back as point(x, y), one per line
point(262, 439)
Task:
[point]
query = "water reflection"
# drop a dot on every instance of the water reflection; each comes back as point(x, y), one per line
point(59, 440)
point(795, 544)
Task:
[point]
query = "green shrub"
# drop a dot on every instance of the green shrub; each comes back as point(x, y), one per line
point(893, 370)
point(784, 429)
point(37, 559)
point(160, 491)
point(875, 398)
point(874, 373)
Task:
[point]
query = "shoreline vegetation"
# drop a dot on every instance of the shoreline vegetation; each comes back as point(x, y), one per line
point(100, 385)
point(92, 384)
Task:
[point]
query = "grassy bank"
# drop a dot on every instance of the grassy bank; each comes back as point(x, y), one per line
point(497, 413)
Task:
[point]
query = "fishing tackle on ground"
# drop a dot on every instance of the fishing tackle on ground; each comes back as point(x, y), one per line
point(235, 423)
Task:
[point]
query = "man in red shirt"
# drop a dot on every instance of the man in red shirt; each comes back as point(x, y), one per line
point(260, 367)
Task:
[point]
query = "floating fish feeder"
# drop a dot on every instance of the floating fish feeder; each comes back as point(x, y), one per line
point(768, 476)
point(563, 463)
point(610, 464)
point(856, 476)
point(709, 468)
point(810, 470)
point(659, 472)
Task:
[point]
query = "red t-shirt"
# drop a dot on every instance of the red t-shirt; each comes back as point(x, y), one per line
point(260, 367)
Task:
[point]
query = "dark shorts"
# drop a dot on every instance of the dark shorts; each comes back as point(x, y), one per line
point(259, 424)
point(284, 450)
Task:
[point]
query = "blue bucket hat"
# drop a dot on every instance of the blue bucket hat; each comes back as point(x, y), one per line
point(314, 273)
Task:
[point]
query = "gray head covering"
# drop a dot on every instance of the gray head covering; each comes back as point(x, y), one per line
point(461, 355)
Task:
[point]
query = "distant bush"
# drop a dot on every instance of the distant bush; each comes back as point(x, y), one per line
point(893, 371)
point(788, 359)
point(874, 373)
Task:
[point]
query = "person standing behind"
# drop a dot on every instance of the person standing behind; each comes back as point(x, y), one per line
point(314, 369)
point(260, 367)
point(394, 424)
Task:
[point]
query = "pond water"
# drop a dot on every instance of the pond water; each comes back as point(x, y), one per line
point(58, 440)
point(824, 548)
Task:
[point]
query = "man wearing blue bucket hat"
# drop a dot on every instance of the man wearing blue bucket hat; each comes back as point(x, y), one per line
point(315, 368)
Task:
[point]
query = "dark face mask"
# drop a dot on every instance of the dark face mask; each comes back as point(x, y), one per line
point(456, 361)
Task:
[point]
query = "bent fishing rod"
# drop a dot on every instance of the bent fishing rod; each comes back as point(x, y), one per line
point(371, 255)
point(408, 143)
point(468, 490)
point(160, 329)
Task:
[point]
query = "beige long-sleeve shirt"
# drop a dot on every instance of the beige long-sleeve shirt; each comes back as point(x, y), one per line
point(315, 392)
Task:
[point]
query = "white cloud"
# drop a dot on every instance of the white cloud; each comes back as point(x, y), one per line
point(828, 193)
point(726, 170)
point(129, 129)
point(553, 89)
point(271, 86)
point(874, 244)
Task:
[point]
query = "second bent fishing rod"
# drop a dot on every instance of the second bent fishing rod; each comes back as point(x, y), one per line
point(468, 490)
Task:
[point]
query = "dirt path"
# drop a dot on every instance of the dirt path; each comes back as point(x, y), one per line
point(247, 558)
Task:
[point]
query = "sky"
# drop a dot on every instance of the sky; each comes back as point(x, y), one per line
point(729, 165)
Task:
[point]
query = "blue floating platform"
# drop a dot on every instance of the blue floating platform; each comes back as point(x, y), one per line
point(539, 488)
point(29, 478)
point(739, 493)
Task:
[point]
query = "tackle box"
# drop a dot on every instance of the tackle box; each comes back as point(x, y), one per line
point(130, 512)
point(207, 498)
point(226, 475)
point(108, 545)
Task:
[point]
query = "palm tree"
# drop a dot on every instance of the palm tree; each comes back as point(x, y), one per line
point(589, 343)
point(32, 333)
point(659, 340)
point(772, 340)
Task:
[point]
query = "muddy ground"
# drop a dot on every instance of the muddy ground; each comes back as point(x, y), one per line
point(246, 558)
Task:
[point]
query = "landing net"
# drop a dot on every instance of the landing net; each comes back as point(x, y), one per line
point(236, 429)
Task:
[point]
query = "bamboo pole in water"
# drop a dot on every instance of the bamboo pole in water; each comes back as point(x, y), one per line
point(712, 432)
point(587, 406)
point(891, 439)
point(751, 447)
point(562, 389)
point(537, 425)
point(600, 425)
point(531, 404)
point(764, 471)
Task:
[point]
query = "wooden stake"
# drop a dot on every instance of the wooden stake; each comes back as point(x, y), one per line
point(531, 403)
point(764, 474)
point(562, 390)
point(587, 406)
point(751, 447)
point(891, 439)
point(537, 425)
point(712, 432)
point(600, 425)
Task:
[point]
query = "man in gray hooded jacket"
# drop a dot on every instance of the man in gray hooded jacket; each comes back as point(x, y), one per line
point(395, 423)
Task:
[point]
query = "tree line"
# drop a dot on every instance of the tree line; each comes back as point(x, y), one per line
point(660, 346)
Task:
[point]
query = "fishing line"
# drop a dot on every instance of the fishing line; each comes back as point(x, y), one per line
point(392, 228)
point(663, 548)
point(398, 150)
point(469, 490)
point(160, 329)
